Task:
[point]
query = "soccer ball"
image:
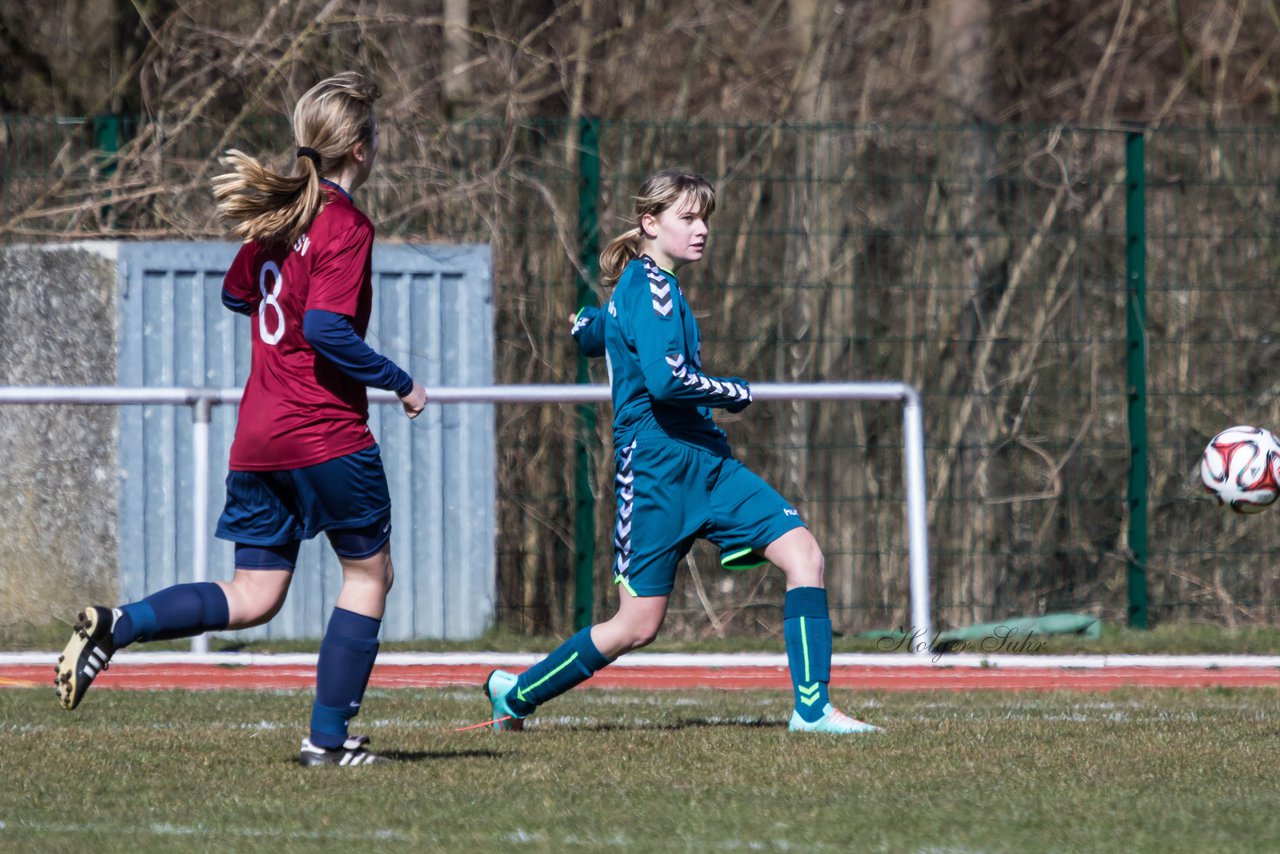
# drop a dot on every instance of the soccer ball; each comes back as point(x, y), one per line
point(1239, 469)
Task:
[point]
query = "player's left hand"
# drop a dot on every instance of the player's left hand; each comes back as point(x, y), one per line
point(745, 402)
point(415, 401)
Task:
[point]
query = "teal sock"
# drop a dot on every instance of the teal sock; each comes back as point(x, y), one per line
point(572, 663)
point(806, 628)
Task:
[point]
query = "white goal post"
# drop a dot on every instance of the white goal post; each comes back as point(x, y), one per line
point(202, 400)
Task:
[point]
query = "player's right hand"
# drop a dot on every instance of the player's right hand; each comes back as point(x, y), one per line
point(415, 401)
point(588, 331)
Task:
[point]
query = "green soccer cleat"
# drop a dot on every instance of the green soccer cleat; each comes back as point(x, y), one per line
point(833, 721)
point(86, 655)
point(499, 684)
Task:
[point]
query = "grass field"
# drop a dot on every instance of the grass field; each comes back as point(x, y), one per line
point(1152, 770)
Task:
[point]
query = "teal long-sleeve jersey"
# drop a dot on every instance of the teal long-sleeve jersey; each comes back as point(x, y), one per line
point(649, 339)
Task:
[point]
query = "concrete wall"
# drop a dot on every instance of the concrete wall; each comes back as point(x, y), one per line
point(58, 486)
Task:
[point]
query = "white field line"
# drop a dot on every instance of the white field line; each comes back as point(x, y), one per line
point(518, 837)
point(167, 829)
point(683, 660)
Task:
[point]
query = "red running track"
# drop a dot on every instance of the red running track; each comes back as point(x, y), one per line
point(195, 677)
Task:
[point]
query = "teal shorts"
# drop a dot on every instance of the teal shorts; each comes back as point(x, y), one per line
point(670, 494)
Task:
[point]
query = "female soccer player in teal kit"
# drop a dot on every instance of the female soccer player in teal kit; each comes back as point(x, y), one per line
point(675, 477)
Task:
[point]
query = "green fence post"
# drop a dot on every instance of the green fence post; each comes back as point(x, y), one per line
point(584, 534)
point(1136, 333)
point(106, 139)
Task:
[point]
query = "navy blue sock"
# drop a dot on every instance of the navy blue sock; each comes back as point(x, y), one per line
point(806, 627)
point(180, 611)
point(572, 663)
point(347, 653)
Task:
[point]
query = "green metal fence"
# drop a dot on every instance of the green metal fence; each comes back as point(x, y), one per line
point(1081, 308)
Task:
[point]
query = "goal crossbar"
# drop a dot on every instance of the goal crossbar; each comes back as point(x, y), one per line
point(202, 400)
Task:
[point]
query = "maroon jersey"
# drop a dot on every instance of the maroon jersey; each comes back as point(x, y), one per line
point(299, 409)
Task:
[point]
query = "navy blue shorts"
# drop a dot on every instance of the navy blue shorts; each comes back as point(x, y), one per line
point(670, 494)
point(279, 509)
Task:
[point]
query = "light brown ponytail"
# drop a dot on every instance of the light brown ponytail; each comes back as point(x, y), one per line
point(659, 191)
point(328, 121)
point(618, 253)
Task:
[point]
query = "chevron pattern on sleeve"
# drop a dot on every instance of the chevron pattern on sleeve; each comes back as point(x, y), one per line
point(693, 378)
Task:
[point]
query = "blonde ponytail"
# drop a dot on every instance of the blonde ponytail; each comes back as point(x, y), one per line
point(328, 121)
point(262, 205)
point(619, 252)
point(659, 191)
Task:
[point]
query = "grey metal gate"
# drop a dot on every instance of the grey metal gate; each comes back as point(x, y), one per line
point(433, 315)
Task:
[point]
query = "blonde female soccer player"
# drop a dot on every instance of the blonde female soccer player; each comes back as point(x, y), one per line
point(676, 479)
point(303, 460)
